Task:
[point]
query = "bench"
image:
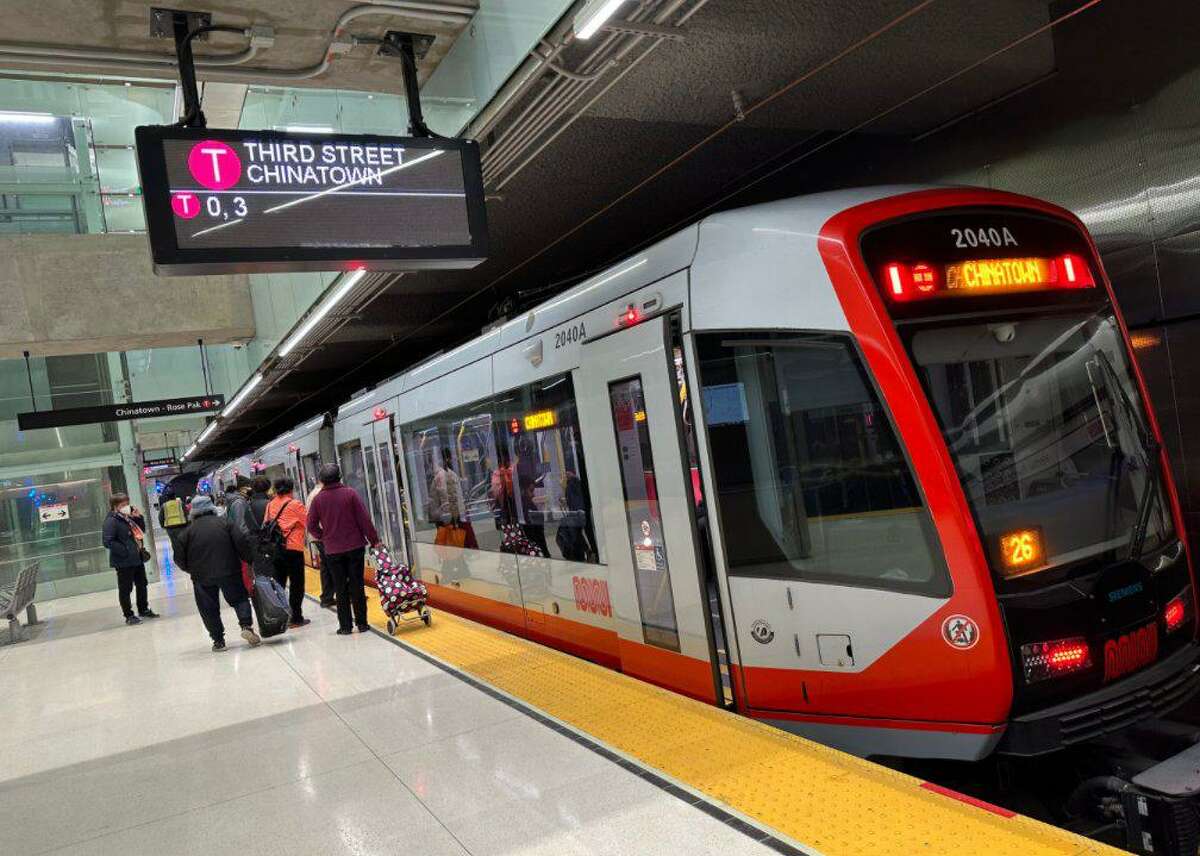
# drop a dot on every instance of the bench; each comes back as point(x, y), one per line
point(17, 597)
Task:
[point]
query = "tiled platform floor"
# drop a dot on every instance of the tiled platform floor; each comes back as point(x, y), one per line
point(139, 740)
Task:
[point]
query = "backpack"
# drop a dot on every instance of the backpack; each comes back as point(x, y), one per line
point(271, 543)
point(173, 513)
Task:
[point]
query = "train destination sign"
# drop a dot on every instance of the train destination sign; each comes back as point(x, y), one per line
point(119, 412)
point(253, 201)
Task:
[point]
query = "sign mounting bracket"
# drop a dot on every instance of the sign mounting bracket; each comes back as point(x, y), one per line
point(410, 47)
point(186, 27)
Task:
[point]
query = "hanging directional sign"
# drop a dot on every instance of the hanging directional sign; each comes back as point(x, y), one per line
point(251, 201)
point(119, 412)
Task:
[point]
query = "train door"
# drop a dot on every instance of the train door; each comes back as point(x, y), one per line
point(291, 468)
point(383, 488)
point(310, 466)
point(642, 495)
point(829, 553)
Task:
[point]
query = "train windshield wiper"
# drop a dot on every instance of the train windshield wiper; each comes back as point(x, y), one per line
point(1148, 447)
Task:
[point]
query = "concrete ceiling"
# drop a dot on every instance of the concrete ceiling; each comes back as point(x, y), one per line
point(302, 30)
point(828, 84)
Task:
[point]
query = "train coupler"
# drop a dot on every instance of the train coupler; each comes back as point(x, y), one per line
point(1160, 807)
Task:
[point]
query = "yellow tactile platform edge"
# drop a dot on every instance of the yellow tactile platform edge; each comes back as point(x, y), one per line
point(823, 800)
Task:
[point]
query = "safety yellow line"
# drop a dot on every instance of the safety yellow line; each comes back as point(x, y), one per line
point(824, 800)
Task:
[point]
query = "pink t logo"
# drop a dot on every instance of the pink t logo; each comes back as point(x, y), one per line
point(214, 164)
point(185, 205)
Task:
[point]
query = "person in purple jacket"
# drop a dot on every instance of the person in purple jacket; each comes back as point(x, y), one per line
point(338, 518)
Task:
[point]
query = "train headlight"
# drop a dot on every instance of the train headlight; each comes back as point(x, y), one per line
point(1043, 660)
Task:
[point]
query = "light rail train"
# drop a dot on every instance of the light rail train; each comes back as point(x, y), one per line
point(875, 466)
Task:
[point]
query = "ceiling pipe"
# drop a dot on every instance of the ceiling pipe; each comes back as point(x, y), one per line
point(569, 75)
point(225, 66)
point(522, 80)
point(558, 98)
point(534, 117)
point(529, 158)
point(93, 53)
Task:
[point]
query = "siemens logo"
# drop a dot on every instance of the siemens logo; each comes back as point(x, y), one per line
point(1125, 591)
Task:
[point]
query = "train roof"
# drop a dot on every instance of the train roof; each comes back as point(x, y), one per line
point(802, 216)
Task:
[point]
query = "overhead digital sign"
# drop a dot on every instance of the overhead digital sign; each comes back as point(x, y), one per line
point(259, 201)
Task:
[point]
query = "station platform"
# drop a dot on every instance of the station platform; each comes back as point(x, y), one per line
point(777, 789)
point(453, 739)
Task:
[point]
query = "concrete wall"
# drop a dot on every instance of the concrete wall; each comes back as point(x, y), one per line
point(77, 294)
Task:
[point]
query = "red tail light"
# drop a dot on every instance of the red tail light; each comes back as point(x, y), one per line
point(1042, 660)
point(1074, 272)
point(904, 282)
point(898, 281)
point(1174, 614)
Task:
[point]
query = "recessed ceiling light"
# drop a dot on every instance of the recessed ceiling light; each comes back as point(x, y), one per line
point(593, 16)
point(27, 118)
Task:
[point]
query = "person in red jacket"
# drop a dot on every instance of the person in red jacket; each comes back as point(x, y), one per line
point(290, 514)
point(339, 519)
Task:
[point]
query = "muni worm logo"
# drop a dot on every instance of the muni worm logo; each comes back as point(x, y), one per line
point(213, 165)
point(762, 632)
point(591, 595)
point(1131, 651)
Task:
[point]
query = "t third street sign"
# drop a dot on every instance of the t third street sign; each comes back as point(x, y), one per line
point(119, 412)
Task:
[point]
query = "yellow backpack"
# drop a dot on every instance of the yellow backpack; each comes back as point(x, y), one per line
point(173, 513)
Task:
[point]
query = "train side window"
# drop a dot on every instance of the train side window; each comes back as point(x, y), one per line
point(512, 460)
point(811, 481)
point(446, 458)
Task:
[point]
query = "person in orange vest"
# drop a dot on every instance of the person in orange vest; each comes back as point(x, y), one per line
point(290, 514)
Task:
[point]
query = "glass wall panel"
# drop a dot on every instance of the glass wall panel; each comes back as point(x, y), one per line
point(500, 37)
point(80, 380)
point(56, 519)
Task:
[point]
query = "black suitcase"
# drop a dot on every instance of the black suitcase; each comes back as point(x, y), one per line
point(270, 606)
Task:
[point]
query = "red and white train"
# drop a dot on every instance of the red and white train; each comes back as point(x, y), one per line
point(876, 466)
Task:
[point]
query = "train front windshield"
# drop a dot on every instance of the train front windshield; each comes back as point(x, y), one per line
point(1018, 349)
point(1043, 419)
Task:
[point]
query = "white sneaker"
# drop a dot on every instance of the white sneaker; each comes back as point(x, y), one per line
point(250, 636)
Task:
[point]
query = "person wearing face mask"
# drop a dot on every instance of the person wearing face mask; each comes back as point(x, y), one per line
point(123, 536)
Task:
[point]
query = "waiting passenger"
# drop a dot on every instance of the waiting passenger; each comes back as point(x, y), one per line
point(289, 513)
point(256, 506)
point(211, 550)
point(339, 519)
point(235, 505)
point(124, 535)
point(172, 515)
point(328, 589)
point(256, 513)
point(237, 510)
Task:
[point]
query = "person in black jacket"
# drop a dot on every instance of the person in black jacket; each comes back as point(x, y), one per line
point(211, 549)
point(256, 506)
point(256, 513)
point(123, 534)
